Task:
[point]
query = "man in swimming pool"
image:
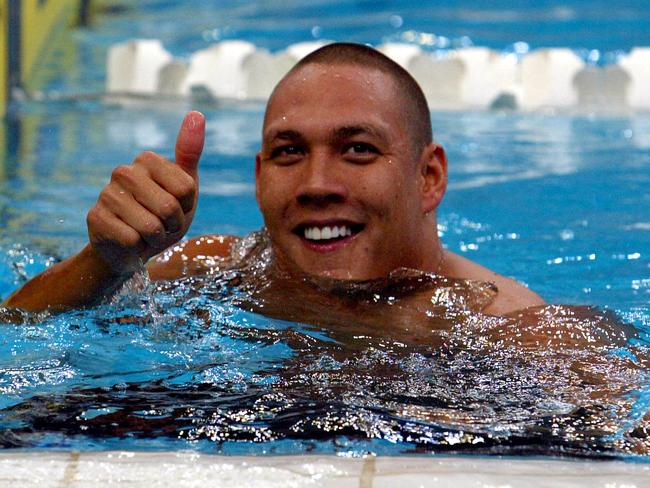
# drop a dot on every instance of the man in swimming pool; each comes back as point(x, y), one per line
point(348, 180)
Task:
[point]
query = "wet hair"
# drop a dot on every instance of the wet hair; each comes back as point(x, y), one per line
point(415, 103)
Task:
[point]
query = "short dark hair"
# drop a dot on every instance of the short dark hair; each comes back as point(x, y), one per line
point(416, 106)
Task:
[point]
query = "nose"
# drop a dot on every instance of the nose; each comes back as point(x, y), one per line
point(322, 182)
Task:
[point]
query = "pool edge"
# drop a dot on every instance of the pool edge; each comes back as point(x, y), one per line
point(187, 468)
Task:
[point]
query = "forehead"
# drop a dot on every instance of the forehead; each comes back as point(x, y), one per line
point(326, 96)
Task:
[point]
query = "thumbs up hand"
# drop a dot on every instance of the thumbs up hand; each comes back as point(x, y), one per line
point(148, 205)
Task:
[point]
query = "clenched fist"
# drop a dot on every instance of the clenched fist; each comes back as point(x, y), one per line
point(148, 205)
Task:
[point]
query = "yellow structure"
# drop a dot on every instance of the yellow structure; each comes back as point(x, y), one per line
point(27, 28)
point(4, 24)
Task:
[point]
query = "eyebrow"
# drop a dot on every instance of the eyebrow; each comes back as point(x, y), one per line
point(354, 130)
point(336, 134)
point(288, 135)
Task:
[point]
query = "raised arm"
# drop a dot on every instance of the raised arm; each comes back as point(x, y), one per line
point(145, 208)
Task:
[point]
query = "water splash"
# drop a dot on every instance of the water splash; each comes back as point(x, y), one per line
point(242, 359)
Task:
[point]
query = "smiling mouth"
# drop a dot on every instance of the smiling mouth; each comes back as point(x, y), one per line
point(325, 234)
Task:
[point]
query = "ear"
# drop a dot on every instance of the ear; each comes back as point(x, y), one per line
point(258, 164)
point(433, 168)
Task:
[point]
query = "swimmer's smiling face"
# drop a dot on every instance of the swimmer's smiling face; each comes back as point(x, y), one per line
point(341, 188)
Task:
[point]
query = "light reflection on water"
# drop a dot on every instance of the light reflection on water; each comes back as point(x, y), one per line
point(180, 369)
point(533, 196)
point(191, 364)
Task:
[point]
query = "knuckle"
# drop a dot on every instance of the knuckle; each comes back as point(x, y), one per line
point(169, 207)
point(144, 157)
point(186, 185)
point(122, 172)
point(132, 241)
point(186, 189)
point(93, 218)
point(107, 198)
point(98, 227)
point(148, 159)
point(153, 228)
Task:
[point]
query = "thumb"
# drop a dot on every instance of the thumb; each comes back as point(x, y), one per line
point(189, 142)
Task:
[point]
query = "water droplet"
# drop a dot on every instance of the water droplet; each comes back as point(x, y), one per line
point(567, 235)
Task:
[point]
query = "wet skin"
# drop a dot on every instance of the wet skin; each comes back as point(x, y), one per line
point(336, 153)
point(336, 157)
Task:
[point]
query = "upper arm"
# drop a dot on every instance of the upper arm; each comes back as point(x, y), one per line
point(189, 257)
point(512, 295)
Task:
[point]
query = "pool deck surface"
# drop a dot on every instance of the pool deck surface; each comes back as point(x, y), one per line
point(189, 469)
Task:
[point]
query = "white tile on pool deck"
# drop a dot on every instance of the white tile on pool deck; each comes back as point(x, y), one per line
point(33, 469)
point(187, 469)
point(507, 472)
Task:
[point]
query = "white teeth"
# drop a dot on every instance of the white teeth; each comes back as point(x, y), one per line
point(318, 233)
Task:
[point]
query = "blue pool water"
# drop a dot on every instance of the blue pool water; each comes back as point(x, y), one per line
point(556, 200)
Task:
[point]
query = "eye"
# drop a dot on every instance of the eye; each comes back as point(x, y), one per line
point(286, 154)
point(360, 151)
point(361, 148)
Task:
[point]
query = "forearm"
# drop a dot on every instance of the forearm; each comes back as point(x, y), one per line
point(79, 280)
point(145, 208)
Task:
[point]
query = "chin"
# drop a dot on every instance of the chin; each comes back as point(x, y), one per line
point(349, 267)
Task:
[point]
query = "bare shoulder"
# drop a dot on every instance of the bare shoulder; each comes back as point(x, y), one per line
point(190, 256)
point(512, 295)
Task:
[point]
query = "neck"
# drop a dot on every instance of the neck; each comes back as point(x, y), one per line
point(433, 250)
